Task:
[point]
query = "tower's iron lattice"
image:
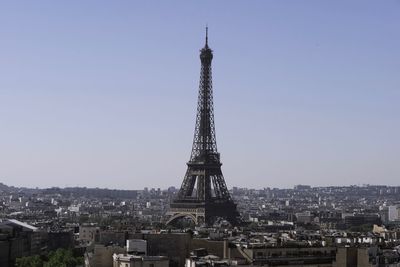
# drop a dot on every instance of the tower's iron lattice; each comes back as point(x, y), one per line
point(203, 195)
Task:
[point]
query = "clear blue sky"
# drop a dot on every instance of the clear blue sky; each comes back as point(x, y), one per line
point(103, 93)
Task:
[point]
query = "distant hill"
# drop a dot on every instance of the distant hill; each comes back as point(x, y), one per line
point(4, 187)
point(73, 191)
point(92, 192)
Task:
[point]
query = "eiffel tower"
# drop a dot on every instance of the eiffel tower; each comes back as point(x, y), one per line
point(203, 195)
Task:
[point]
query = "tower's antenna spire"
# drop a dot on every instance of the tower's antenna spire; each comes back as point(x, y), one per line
point(206, 35)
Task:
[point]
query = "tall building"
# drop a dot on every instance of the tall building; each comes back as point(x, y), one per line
point(204, 196)
point(394, 213)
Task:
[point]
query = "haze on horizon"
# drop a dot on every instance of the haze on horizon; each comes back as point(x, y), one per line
point(103, 94)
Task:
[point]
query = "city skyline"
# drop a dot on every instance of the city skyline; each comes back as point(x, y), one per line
point(104, 95)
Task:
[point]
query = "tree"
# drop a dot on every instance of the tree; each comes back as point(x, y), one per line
point(62, 258)
point(32, 261)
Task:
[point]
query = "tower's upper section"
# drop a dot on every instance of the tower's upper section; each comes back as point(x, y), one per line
point(204, 142)
point(206, 54)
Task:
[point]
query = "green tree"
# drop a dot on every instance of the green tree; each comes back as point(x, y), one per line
point(62, 258)
point(32, 261)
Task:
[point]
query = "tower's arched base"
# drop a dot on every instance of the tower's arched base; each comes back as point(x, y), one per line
point(177, 216)
point(203, 213)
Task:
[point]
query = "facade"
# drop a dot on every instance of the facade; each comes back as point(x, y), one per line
point(126, 260)
point(287, 256)
point(136, 246)
point(89, 233)
point(361, 257)
point(304, 217)
point(18, 239)
point(204, 196)
point(102, 256)
point(175, 246)
point(394, 213)
point(362, 219)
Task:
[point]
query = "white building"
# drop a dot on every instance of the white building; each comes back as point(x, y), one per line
point(126, 260)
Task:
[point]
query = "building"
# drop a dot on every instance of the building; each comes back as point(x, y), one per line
point(290, 256)
point(304, 217)
point(18, 239)
point(102, 256)
point(362, 219)
point(136, 246)
point(394, 213)
point(127, 260)
point(200, 257)
point(89, 233)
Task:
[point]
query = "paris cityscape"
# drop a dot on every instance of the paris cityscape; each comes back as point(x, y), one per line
point(88, 180)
